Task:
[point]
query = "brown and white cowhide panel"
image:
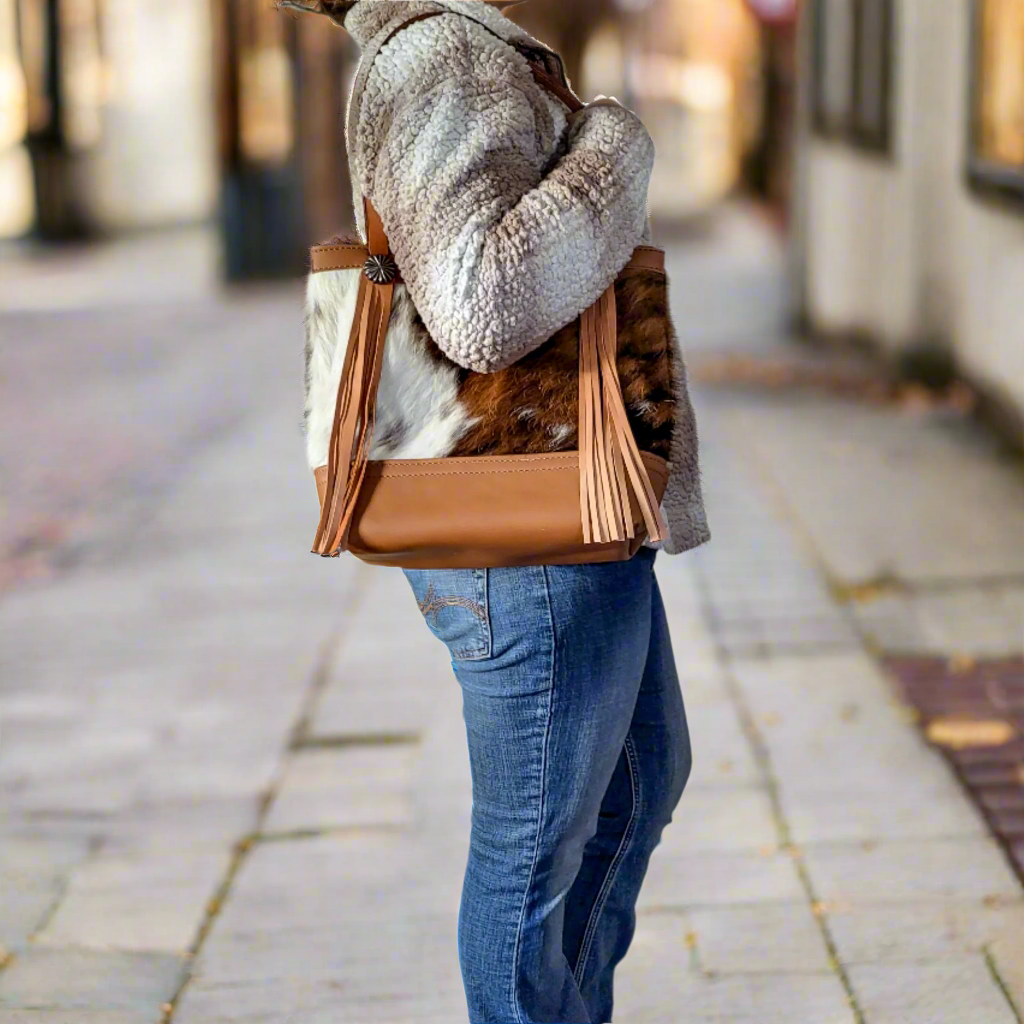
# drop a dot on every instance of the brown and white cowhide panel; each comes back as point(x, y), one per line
point(428, 407)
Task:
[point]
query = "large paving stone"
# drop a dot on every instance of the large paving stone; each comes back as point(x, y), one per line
point(890, 475)
point(38, 859)
point(75, 1017)
point(937, 869)
point(719, 879)
point(746, 939)
point(1007, 952)
point(84, 789)
point(831, 724)
point(979, 621)
point(34, 867)
point(365, 956)
point(165, 920)
point(388, 668)
point(735, 818)
point(838, 816)
point(722, 754)
point(67, 980)
point(150, 902)
point(314, 1002)
point(24, 910)
point(354, 787)
point(948, 992)
point(922, 932)
point(299, 999)
point(163, 826)
point(330, 880)
point(661, 983)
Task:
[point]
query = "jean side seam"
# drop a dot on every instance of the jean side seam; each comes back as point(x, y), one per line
point(514, 993)
point(613, 870)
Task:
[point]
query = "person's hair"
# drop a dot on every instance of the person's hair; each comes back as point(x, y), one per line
point(337, 9)
point(334, 9)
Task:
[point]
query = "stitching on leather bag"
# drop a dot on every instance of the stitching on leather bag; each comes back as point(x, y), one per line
point(340, 248)
point(389, 472)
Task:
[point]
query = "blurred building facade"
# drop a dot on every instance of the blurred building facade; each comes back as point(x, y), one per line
point(119, 115)
point(106, 117)
point(911, 221)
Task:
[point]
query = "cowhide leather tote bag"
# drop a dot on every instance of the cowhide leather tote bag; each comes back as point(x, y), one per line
point(560, 458)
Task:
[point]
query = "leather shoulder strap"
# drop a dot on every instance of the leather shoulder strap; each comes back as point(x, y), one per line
point(541, 75)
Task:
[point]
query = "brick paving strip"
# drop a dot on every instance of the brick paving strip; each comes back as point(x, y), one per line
point(973, 711)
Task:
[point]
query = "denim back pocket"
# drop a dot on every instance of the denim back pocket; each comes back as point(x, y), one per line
point(454, 604)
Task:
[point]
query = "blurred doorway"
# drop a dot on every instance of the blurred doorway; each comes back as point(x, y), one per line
point(281, 83)
point(57, 80)
point(713, 80)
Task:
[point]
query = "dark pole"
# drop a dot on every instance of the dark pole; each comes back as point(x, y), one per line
point(57, 217)
point(262, 220)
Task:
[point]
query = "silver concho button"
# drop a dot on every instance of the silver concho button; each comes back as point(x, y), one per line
point(380, 269)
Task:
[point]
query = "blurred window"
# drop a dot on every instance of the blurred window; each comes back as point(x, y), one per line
point(35, 43)
point(853, 56)
point(872, 70)
point(997, 129)
point(66, 78)
point(258, 83)
point(833, 57)
point(84, 76)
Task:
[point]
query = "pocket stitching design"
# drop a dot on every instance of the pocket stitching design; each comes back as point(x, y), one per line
point(432, 605)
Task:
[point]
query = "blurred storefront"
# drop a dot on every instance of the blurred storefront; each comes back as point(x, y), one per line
point(119, 115)
point(912, 226)
point(118, 121)
point(693, 70)
point(281, 84)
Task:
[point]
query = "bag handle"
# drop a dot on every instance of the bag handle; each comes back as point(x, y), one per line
point(610, 466)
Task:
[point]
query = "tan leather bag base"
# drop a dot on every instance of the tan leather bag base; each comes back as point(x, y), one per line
point(481, 513)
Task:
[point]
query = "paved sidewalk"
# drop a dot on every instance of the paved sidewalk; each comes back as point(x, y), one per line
point(233, 780)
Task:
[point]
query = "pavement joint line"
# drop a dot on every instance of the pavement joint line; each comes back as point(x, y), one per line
point(8, 956)
point(243, 847)
point(789, 517)
point(682, 909)
point(303, 834)
point(763, 760)
point(95, 844)
point(770, 489)
point(361, 582)
point(346, 741)
point(993, 967)
point(887, 585)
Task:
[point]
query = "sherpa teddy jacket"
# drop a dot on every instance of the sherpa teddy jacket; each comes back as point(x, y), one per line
point(508, 215)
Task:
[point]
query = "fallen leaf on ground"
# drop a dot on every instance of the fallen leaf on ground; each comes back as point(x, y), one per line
point(960, 663)
point(961, 733)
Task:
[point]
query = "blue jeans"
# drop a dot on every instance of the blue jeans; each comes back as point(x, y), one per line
point(579, 752)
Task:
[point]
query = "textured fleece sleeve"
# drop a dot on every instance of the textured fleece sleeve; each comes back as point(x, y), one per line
point(500, 246)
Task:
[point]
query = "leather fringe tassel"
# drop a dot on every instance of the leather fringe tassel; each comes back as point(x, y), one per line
point(610, 465)
point(354, 416)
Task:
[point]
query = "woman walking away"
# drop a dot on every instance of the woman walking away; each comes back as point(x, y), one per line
point(510, 212)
